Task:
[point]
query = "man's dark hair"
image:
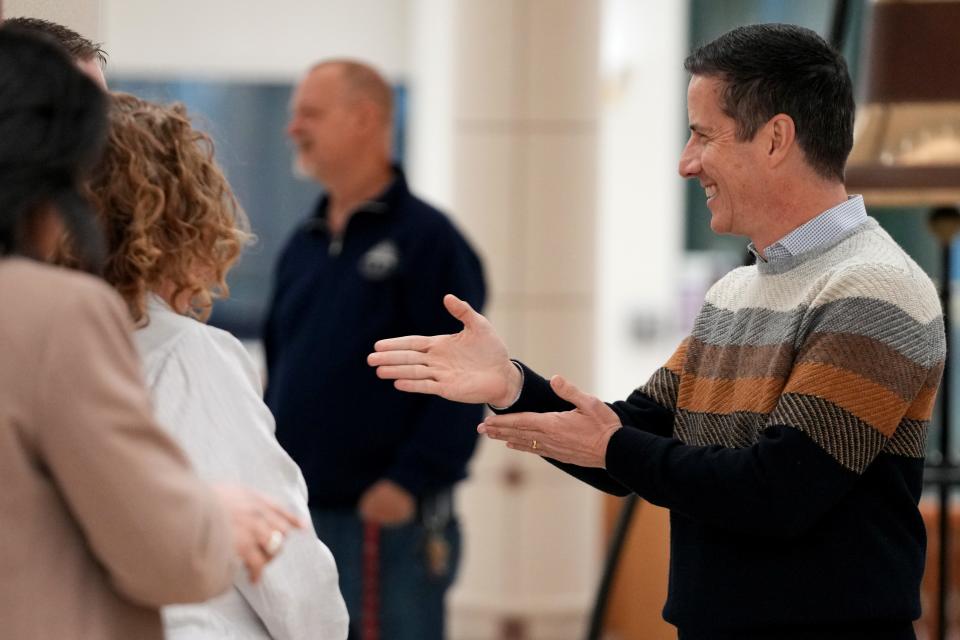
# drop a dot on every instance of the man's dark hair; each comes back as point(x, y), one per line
point(778, 68)
point(53, 123)
point(76, 45)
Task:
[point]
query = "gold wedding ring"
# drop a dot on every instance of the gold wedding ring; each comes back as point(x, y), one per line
point(533, 445)
point(274, 542)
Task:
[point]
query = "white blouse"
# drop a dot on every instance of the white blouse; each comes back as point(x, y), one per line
point(208, 396)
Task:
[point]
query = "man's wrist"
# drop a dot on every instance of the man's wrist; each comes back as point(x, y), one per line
point(514, 388)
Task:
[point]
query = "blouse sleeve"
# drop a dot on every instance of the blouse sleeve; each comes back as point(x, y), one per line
point(207, 392)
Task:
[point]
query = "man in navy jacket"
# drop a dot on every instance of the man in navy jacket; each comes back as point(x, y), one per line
point(372, 261)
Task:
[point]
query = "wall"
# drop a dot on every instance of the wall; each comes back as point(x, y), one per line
point(251, 39)
point(643, 120)
point(83, 16)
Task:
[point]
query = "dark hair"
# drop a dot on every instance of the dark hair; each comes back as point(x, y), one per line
point(76, 45)
point(780, 68)
point(52, 127)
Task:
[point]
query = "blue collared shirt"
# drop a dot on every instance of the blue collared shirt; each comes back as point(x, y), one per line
point(817, 232)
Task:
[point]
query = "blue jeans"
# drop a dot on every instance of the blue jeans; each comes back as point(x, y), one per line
point(411, 598)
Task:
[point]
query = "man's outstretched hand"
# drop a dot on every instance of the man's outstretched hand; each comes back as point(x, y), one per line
point(471, 366)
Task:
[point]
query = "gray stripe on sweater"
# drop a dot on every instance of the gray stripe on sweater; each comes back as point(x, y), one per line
point(662, 388)
point(850, 441)
point(842, 435)
point(922, 343)
point(882, 321)
point(733, 430)
point(909, 440)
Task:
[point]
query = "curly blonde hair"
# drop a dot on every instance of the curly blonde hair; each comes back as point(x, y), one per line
point(168, 212)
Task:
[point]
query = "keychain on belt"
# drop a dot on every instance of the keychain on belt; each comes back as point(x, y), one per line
point(436, 513)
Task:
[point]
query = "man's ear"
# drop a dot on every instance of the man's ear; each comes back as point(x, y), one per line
point(781, 135)
point(367, 115)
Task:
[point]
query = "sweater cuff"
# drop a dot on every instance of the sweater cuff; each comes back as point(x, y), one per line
point(536, 395)
point(628, 454)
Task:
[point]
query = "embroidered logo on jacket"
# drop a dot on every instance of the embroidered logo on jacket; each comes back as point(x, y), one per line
point(380, 261)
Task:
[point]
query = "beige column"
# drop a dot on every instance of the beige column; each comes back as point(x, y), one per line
point(83, 16)
point(524, 149)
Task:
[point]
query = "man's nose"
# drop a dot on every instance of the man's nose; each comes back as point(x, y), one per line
point(689, 165)
point(293, 126)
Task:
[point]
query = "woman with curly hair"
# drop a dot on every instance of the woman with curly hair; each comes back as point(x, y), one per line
point(173, 229)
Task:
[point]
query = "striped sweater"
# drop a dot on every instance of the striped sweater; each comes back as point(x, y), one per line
point(786, 436)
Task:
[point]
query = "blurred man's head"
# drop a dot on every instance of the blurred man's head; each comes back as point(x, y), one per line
point(341, 115)
point(88, 55)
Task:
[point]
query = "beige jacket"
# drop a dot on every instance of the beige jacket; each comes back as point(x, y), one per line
point(101, 519)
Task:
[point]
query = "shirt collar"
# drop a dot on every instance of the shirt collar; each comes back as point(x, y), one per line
point(817, 232)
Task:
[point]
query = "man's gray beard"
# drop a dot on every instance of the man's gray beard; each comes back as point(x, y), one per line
point(299, 171)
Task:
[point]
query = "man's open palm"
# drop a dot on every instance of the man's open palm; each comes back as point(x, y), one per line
point(470, 366)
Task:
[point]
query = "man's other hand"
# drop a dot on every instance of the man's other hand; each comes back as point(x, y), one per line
point(579, 436)
point(387, 503)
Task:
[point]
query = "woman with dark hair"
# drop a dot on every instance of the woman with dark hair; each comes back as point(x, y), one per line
point(52, 128)
point(103, 520)
point(174, 229)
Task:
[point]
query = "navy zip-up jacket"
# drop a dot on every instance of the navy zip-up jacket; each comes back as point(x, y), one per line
point(333, 299)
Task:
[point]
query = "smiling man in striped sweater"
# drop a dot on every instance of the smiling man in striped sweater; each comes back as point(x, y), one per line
point(786, 434)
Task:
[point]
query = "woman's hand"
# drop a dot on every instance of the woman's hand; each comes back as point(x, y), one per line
point(258, 525)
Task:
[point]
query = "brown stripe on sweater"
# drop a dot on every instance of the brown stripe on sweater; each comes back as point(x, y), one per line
point(922, 406)
point(909, 440)
point(675, 363)
point(867, 357)
point(934, 376)
point(873, 403)
point(719, 395)
point(731, 361)
point(846, 438)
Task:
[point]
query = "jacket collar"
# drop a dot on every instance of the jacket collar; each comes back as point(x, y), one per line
point(383, 204)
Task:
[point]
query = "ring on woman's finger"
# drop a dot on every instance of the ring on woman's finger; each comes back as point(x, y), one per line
point(274, 542)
